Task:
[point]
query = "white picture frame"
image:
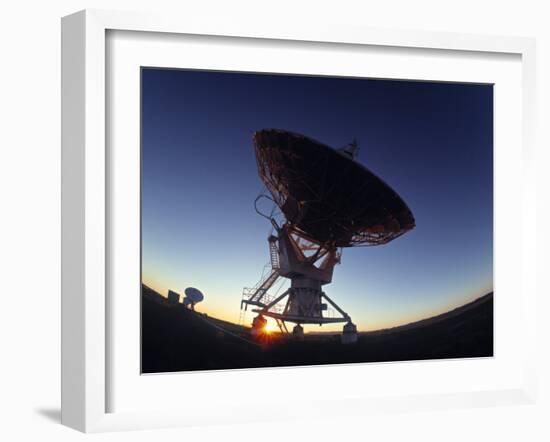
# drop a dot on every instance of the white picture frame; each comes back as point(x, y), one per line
point(85, 209)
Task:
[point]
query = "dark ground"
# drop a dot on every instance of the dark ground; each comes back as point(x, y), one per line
point(177, 339)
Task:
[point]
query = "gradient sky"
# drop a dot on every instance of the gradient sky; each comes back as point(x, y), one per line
point(431, 142)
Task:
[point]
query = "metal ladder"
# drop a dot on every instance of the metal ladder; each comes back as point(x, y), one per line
point(273, 252)
point(256, 294)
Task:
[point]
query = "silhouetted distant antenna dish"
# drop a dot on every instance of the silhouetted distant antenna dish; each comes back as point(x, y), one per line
point(329, 201)
point(192, 296)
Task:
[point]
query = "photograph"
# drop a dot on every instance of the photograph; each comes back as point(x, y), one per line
point(302, 220)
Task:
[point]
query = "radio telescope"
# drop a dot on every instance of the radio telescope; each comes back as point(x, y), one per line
point(192, 296)
point(328, 201)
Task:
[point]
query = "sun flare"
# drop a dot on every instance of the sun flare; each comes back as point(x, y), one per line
point(269, 327)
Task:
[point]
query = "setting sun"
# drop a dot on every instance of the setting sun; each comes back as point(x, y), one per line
point(269, 327)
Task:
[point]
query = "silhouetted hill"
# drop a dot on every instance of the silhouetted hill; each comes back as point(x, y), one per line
point(177, 339)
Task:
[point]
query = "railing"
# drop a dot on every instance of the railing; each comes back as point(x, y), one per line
point(264, 299)
point(267, 298)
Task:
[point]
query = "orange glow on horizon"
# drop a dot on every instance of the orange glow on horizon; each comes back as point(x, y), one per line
point(227, 312)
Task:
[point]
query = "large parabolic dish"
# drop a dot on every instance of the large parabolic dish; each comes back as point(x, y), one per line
point(327, 195)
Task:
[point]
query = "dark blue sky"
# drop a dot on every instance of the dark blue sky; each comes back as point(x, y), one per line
point(431, 142)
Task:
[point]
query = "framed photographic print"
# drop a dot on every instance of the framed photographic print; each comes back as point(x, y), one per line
point(323, 212)
point(200, 159)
